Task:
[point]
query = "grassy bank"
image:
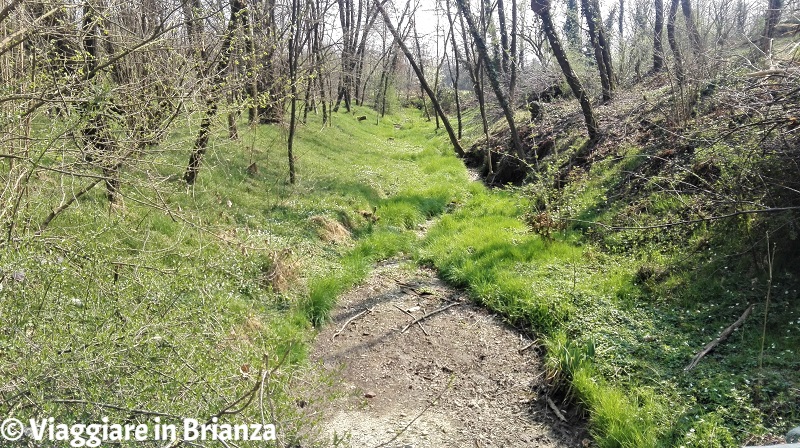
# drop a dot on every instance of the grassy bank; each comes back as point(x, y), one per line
point(622, 312)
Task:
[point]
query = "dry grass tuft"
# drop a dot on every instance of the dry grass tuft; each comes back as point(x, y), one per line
point(330, 230)
point(280, 272)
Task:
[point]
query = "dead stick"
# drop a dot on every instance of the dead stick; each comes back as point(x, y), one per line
point(528, 346)
point(556, 410)
point(722, 336)
point(350, 320)
point(438, 310)
point(412, 316)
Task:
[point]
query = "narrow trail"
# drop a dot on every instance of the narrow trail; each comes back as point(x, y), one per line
point(459, 378)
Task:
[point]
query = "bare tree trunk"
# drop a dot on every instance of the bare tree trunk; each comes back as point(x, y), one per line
point(431, 95)
point(691, 27)
point(673, 43)
point(658, 31)
point(96, 133)
point(512, 82)
point(293, 57)
point(592, 26)
point(605, 47)
point(475, 74)
point(201, 143)
point(271, 112)
point(457, 60)
point(421, 64)
point(542, 9)
point(233, 115)
point(493, 78)
point(317, 58)
point(771, 19)
point(504, 47)
point(361, 85)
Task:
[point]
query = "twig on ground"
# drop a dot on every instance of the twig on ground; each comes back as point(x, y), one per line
point(556, 410)
point(436, 311)
point(722, 336)
point(350, 320)
point(527, 346)
point(413, 289)
point(435, 400)
point(412, 316)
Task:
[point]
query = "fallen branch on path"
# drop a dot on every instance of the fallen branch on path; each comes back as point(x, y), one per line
point(350, 320)
point(722, 336)
point(528, 346)
point(556, 410)
point(436, 311)
point(413, 289)
point(412, 316)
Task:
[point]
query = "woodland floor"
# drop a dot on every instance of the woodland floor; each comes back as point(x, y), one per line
point(462, 378)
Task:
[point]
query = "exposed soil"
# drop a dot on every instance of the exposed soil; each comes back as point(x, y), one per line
point(462, 378)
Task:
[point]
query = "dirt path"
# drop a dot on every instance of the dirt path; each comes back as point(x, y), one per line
point(458, 380)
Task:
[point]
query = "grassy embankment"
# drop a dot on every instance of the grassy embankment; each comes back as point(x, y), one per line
point(178, 301)
point(622, 312)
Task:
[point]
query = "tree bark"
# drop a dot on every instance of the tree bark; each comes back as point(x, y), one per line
point(512, 82)
point(542, 9)
point(691, 27)
point(504, 47)
point(475, 73)
point(658, 31)
point(201, 143)
point(493, 78)
point(293, 57)
point(771, 19)
point(673, 43)
point(453, 139)
point(592, 27)
point(457, 60)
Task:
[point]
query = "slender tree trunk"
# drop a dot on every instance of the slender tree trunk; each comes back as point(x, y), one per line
point(591, 22)
point(691, 27)
point(421, 64)
point(96, 133)
point(457, 60)
point(233, 115)
point(201, 143)
point(493, 78)
point(512, 82)
point(252, 85)
point(476, 75)
point(453, 139)
point(360, 84)
point(504, 46)
point(658, 31)
point(673, 42)
point(772, 17)
point(542, 9)
point(318, 59)
point(293, 57)
point(605, 47)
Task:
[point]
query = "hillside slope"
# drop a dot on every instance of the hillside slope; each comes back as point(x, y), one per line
point(641, 248)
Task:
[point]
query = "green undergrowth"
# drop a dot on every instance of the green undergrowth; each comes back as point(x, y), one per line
point(180, 300)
